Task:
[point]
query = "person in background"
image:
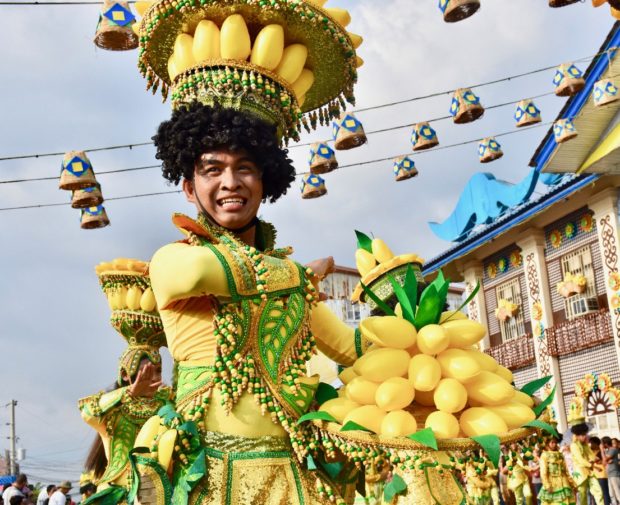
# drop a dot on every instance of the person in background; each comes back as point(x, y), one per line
point(59, 497)
point(558, 488)
point(15, 489)
point(613, 469)
point(600, 467)
point(583, 466)
point(534, 465)
point(45, 494)
point(17, 499)
point(87, 490)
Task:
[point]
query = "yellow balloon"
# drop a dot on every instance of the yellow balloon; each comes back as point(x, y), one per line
point(425, 398)
point(347, 375)
point(450, 396)
point(514, 414)
point(382, 364)
point(490, 389)
point(485, 361)
point(269, 47)
point(292, 63)
point(362, 391)
point(432, 339)
point(368, 416)
point(364, 261)
point(398, 423)
point(464, 332)
point(457, 364)
point(304, 83)
point(389, 331)
point(207, 41)
point(394, 394)
point(356, 40)
point(424, 372)
point(504, 373)
point(444, 425)
point(339, 408)
point(235, 43)
point(147, 301)
point(183, 52)
point(341, 16)
point(523, 398)
point(477, 421)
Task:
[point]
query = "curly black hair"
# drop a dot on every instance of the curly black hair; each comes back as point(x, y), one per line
point(198, 128)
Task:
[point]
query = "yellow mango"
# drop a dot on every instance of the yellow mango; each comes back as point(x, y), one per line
point(342, 392)
point(141, 7)
point(301, 100)
point(293, 62)
point(134, 293)
point(147, 433)
point(485, 361)
point(413, 350)
point(356, 40)
point(165, 447)
point(359, 62)
point(207, 41)
point(424, 372)
point(136, 28)
point(368, 416)
point(450, 396)
point(444, 425)
point(372, 347)
point(173, 71)
point(425, 398)
point(490, 389)
point(303, 83)
point(504, 373)
point(339, 407)
point(121, 298)
point(457, 364)
point(341, 16)
point(464, 333)
point(347, 375)
point(235, 43)
point(398, 423)
point(317, 3)
point(389, 331)
point(432, 339)
point(364, 261)
point(394, 394)
point(110, 297)
point(382, 364)
point(477, 421)
point(362, 391)
point(523, 398)
point(147, 301)
point(269, 47)
point(514, 414)
point(183, 52)
point(454, 315)
point(381, 251)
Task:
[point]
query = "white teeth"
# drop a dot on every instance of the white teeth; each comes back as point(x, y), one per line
point(224, 202)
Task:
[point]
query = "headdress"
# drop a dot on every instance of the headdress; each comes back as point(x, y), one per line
point(127, 287)
point(290, 62)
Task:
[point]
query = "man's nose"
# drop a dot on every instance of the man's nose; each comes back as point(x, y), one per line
point(230, 179)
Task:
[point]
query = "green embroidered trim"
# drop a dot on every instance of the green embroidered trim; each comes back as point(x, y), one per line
point(161, 473)
point(120, 444)
point(300, 491)
point(230, 278)
point(358, 342)
point(192, 378)
point(305, 397)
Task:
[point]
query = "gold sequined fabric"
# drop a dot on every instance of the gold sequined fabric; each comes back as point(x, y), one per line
point(431, 486)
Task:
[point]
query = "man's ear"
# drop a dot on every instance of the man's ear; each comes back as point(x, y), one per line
point(188, 189)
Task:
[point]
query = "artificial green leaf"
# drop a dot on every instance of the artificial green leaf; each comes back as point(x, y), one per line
point(531, 387)
point(395, 487)
point(180, 495)
point(353, 426)
point(319, 414)
point(363, 241)
point(189, 427)
point(311, 464)
point(387, 310)
point(425, 437)
point(542, 426)
point(168, 413)
point(491, 445)
point(111, 495)
point(539, 409)
point(325, 392)
point(411, 287)
point(467, 300)
point(198, 469)
point(429, 309)
point(403, 299)
point(332, 469)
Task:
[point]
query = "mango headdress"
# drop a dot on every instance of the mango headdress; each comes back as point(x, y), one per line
point(290, 62)
point(127, 287)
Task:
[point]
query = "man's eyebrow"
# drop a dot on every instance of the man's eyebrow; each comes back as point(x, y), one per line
point(213, 161)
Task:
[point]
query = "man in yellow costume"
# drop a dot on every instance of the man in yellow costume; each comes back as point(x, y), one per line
point(518, 481)
point(583, 466)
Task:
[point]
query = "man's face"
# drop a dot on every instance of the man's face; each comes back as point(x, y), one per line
point(228, 185)
point(64, 490)
point(582, 438)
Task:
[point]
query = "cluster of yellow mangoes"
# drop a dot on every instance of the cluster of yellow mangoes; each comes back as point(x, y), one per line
point(130, 296)
point(436, 376)
point(366, 261)
point(159, 439)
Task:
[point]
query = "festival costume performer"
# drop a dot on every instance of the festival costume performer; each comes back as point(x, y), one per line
point(558, 486)
point(583, 465)
point(518, 481)
point(480, 476)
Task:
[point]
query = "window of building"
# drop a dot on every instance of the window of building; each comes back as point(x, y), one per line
point(352, 312)
point(579, 262)
point(602, 415)
point(514, 326)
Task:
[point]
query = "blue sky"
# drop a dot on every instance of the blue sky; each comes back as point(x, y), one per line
point(60, 92)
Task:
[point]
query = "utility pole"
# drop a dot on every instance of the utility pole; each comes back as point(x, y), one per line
point(13, 462)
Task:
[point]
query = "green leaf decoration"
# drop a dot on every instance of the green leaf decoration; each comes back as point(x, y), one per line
point(353, 426)
point(109, 496)
point(332, 469)
point(531, 387)
point(429, 309)
point(411, 287)
point(540, 408)
point(363, 241)
point(403, 299)
point(311, 464)
point(197, 471)
point(542, 426)
point(491, 445)
point(387, 310)
point(168, 413)
point(189, 427)
point(425, 437)
point(325, 392)
point(395, 487)
point(467, 300)
point(319, 414)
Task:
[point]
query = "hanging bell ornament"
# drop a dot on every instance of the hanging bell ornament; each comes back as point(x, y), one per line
point(605, 92)
point(457, 10)
point(94, 217)
point(489, 150)
point(465, 106)
point(568, 80)
point(423, 137)
point(87, 197)
point(322, 158)
point(114, 29)
point(312, 186)
point(563, 130)
point(76, 172)
point(348, 132)
point(527, 113)
point(404, 168)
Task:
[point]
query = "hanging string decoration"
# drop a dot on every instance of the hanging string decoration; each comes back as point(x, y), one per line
point(114, 29)
point(457, 10)
point(423, 137)
point(527, 113)
point(465, 106)
point(312, 186)
point(563, 130)
point(568, 80)
point(322, 158)
point(87, 197)
point(76, 172)
point(604, 92)
point(348, 132)
point(489, 150)
point(94, 217)
point(404, 168)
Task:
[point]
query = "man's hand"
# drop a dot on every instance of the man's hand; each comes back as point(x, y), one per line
point(321, 268)
point(145, 384)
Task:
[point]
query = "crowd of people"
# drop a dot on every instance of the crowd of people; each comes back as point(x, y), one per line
point(21, 493)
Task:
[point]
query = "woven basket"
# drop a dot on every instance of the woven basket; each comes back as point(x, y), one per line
point(561, 3)
point(348, 132)
point(94, 217)
point(312, 186)
point(116, 34)
point(87, 197)
point(563, 130)
point(569, 80)
point(457, 10)
point(489, 150)
point(527, 113)
point(466, 106)
point(404, 168)
point(76, 172)
point(322, 158)
point(423, 137)
point(605, 92)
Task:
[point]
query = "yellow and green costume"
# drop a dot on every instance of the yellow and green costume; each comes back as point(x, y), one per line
point(518, 481)
point(558, 487)
point(480, 481)
point(583, 474)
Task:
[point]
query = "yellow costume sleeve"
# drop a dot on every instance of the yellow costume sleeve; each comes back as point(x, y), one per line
point(179, 271)
point(94, 409)
point(335, 339)
point(544, 470)
point(580, 458)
